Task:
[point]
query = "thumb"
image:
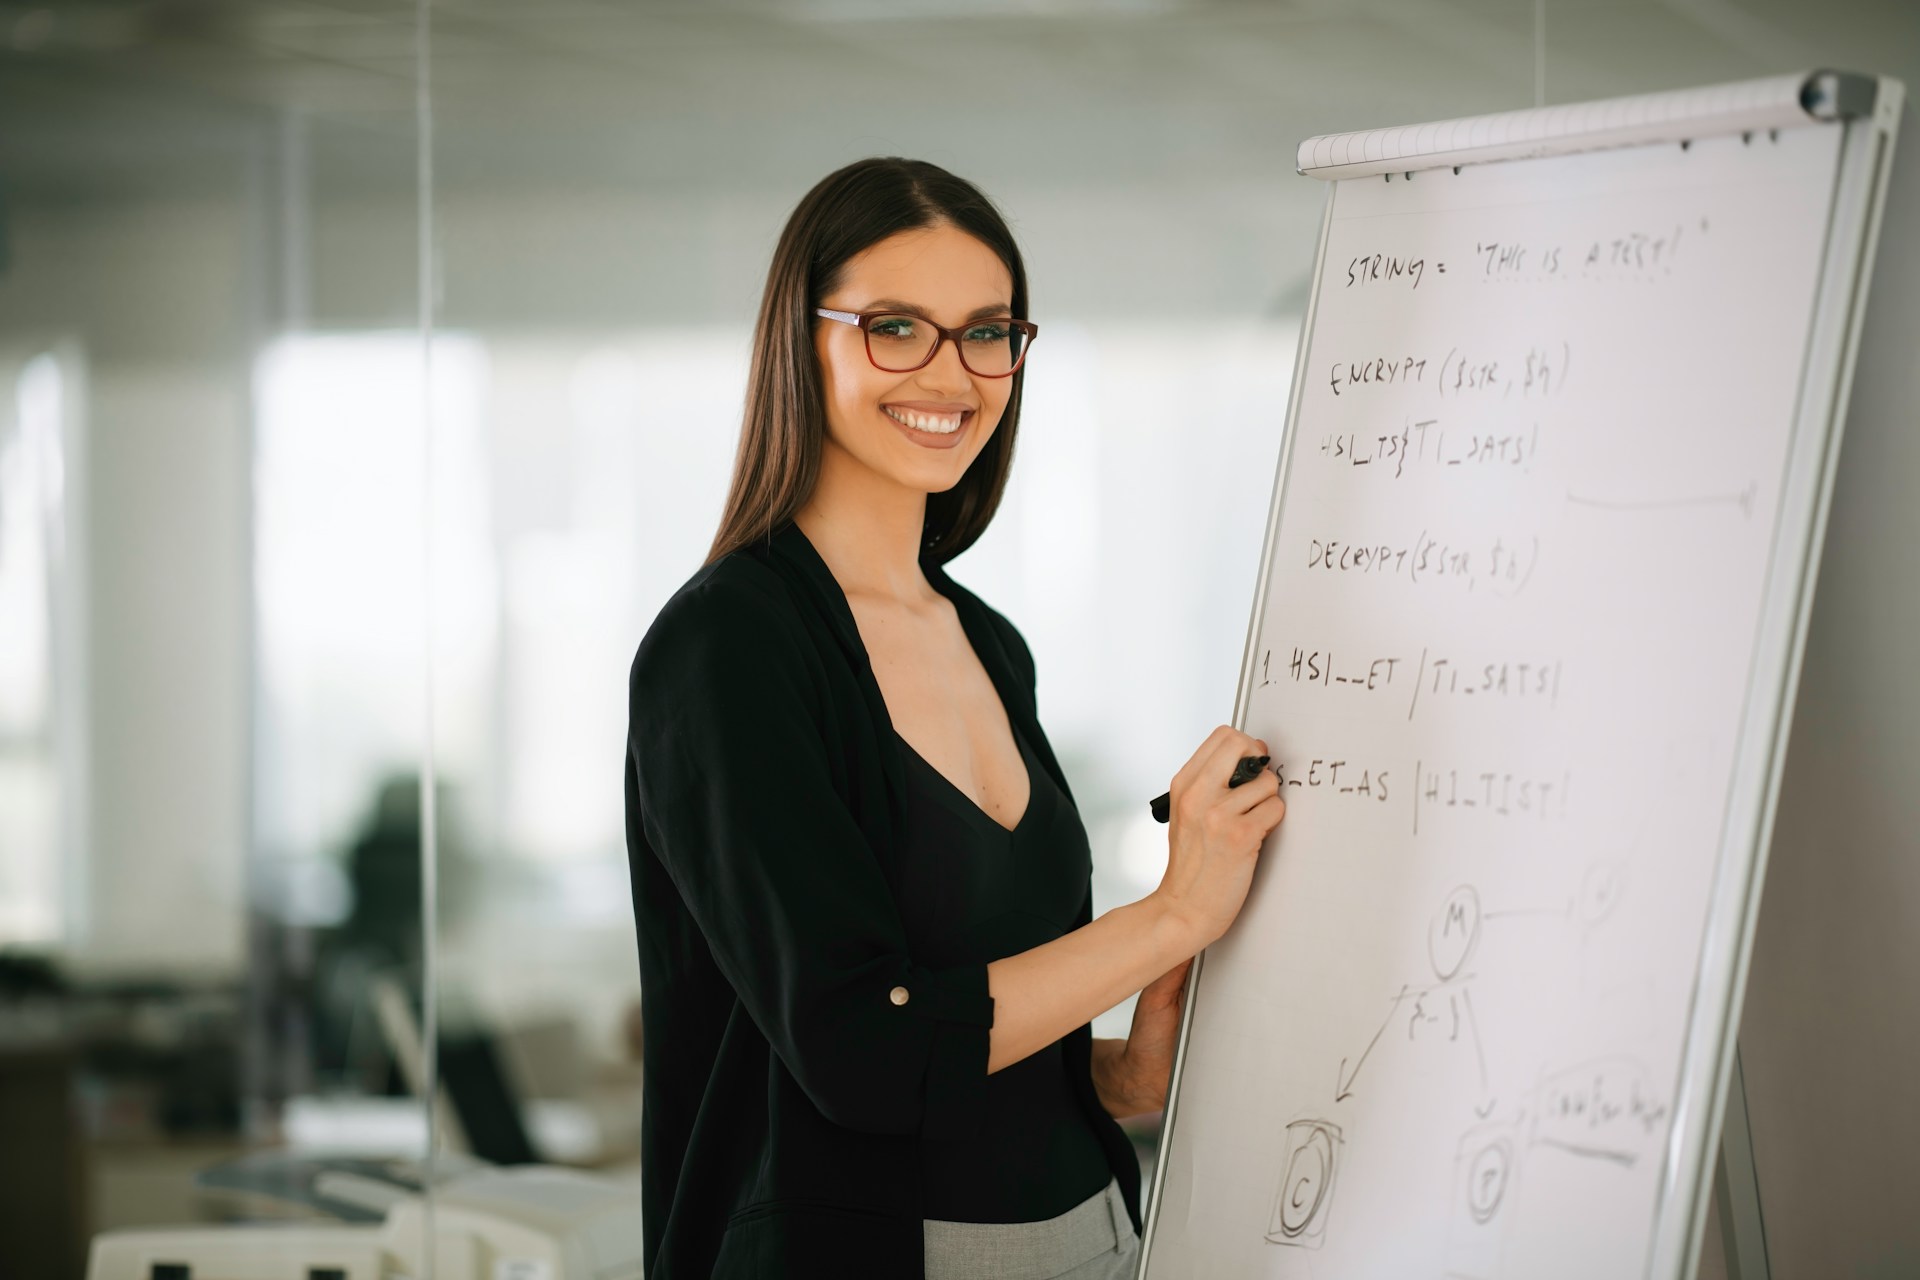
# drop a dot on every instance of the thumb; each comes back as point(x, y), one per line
point(1167, 987)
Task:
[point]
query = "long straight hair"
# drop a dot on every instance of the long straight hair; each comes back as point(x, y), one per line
point(785, 423)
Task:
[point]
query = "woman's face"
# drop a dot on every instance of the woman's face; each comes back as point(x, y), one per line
point(919, 430)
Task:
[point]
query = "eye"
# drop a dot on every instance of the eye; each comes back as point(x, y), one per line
point(898, 328)
point(989, 331)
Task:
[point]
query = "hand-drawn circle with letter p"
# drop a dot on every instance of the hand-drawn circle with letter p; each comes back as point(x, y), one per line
point(1454, 931)
point(1485, 1170)
point(1487, 1179)
point(1306, 1184)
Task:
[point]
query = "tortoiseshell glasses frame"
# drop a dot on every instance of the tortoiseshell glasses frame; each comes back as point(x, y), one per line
point(867, 321)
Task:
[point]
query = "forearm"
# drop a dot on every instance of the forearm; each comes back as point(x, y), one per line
point(1042, 994)
point(1118, 1088)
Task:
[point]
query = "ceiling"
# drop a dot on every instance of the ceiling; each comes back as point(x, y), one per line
point(598, 163)
point(673, 91)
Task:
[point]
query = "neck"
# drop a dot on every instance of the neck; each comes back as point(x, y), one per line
point(866, 529)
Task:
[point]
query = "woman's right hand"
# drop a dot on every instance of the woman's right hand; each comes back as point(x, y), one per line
point(1216, 834)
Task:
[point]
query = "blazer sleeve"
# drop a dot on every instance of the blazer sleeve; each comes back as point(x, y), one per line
point(738, 802)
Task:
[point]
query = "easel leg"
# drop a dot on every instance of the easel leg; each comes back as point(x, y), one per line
point(1736, 1189)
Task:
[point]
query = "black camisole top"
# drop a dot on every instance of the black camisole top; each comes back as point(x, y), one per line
point(974, 892)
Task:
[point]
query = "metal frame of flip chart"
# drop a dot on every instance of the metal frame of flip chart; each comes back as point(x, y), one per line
point(1868, 108)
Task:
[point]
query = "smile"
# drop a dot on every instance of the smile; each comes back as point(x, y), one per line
point(940, 424)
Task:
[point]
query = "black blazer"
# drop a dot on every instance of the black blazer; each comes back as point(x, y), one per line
point(797, 1058)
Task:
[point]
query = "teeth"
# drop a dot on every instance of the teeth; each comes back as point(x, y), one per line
point(938, 423)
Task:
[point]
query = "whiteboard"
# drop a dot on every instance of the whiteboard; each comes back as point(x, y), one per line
point(1543, 534)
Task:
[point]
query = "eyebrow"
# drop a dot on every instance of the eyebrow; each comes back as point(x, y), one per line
point(978, 313)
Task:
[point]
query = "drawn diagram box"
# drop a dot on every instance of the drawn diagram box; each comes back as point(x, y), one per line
point(1308, 1164)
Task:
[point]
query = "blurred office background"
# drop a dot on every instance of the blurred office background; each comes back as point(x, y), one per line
point(214, 485)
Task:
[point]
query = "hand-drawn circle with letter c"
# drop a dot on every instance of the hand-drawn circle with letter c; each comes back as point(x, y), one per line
point(1487, 1180)
point(1454, 931)
point(1304, 1189)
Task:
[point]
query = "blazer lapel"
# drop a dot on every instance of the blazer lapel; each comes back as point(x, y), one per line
point(802, 564)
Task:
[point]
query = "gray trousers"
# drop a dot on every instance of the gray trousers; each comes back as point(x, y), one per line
point(1094, 1240)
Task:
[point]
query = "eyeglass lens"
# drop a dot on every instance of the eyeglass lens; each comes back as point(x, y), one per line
point(901, 343)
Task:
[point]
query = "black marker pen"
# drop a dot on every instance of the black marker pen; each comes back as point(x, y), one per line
point(1246, 771)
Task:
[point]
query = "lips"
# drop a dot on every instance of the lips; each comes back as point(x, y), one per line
point(931, 426)
point(936, 422)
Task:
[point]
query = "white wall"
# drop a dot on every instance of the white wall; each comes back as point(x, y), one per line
point(155, 296)
point(169, 662)
point(1831, 1031)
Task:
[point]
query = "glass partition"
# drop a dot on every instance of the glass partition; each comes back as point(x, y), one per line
point(210, 638)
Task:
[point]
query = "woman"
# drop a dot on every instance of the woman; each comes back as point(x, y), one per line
point(867, 950)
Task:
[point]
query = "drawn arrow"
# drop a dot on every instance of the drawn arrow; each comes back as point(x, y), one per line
point(1343, 1080)
point(1474, 1023)
point(1743, 499)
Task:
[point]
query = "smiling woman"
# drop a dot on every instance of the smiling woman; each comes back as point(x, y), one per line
point(868, 965)
point(898, 383)
point(890, 222)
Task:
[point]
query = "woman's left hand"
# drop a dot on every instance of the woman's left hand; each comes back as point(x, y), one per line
point(1131, 1076)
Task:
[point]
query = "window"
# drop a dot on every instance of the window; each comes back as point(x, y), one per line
point(41, 744)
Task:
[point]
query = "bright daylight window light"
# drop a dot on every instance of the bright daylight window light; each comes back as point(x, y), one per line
point(32, 516)
point(635, 456)
point(338, 591)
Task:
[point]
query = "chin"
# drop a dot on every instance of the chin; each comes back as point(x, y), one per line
point(928, 471)
point(930, 481)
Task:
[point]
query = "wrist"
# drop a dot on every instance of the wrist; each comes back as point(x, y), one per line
point(1175, 934)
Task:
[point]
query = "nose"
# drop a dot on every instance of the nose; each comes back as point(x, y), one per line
point(944, 371)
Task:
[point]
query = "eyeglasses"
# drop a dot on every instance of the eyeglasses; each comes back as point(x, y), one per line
point(900, 343)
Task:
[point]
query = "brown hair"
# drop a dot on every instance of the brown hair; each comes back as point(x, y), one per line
point(785, 423)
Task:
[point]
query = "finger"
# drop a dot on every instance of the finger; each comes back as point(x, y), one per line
point(1266, 815)
point(1249, 796)
point(1166, 988)
point(1174, 976)
point(1227, 752)
point(1183, 972)
point(1177, 997)
point(1226, 758)
point(1198, 761)
point(1233, 747)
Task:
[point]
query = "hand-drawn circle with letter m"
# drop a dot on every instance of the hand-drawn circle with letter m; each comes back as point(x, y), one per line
point(1306, 1184)
point(1454, 931)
